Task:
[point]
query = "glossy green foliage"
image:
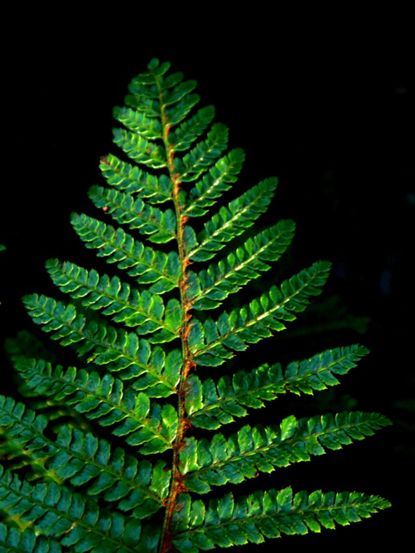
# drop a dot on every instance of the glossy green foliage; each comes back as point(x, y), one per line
point(13, 540)
point(133, 179)
point(251, 450)
point(77, 521)
point(212, 404)
point(144, 311)
point(107, 401)
point(104, 345)
point(215, 341)
point(149, 266)
point(81, 458)
point(214, 183)
point(252, 519)
point(159, 226)
point(231, 221)
point(209, 287)
point(98, 458)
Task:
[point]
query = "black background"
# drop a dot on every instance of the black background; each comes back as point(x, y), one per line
point(329, 109)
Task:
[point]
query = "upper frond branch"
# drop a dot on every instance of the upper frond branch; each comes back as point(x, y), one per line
point(215, 341)
point(203, 155)
point(214, 183)
point(157, 225)
point(209, 287)
point(146, 425)
point(142, 262)
point(135, 180)
point(104, 345)
point(142, 310)
point(231, 221)
point(191, 129)
point(212, 404)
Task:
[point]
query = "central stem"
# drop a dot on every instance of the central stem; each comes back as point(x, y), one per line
point(177, 485)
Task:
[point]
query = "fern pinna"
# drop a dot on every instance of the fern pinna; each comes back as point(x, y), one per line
point(66, 485)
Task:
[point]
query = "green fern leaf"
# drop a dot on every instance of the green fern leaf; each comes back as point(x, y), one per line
point(25, 540)
point(80, 458)
point(145, 312)
point(215, 341)
point(214, 183)
point(102, 461)
point(194, 163)
point(233, 220)
point(160, 226)
point(106, 401)
point(135, 180)
point(251, 450)
point(104, 345)
point(209, 287)
point(78, 522)
point(149, 266)
point(211, 405)
point(138, 122)
point(139, 149)
point(252, 519)
point(191, 129)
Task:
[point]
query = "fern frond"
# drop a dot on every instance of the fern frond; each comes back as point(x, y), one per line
point(25, 540)
point(221, 460)
point(191, 129)
point(84, 493)
point(158, 226)
point(139, 149)
point(266, 514)
point(149, 266)
point(59, 512)
point(214, 183)
point(81, 458)
point(23, 433)
point(231, 221)
point(203, 155)
point(156, 189)
point(119, 351)
point(143, 311)
point(176, 99)
point(106, 401)
point(215, 341)
point(209, 287)
point(138, 122)
point(211, 405)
